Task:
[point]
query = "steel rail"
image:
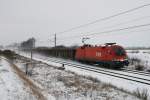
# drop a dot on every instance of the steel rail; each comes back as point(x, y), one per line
point(136, 72)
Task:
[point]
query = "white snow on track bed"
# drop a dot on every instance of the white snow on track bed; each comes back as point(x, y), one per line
point(11, 87)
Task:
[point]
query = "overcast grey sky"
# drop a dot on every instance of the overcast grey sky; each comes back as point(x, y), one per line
point(22, 19)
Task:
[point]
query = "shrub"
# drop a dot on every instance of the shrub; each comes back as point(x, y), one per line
point(0, 52)
point(9, 54)
point(139, 67)
point(148, 70)
point(141, 94)
point(92, 79)
point(134, 60)
point(135, 51)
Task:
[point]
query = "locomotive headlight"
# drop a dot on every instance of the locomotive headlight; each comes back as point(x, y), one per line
point(118, 59)
point(114, 59)
point(121, 59)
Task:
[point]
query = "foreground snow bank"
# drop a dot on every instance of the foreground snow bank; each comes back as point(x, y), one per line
point(11, 87)
point(66, 85)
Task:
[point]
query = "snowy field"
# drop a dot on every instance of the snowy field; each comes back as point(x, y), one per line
point(11, 86)
point(139, 57)
point(66, 85)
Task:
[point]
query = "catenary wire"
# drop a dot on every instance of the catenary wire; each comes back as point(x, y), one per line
point(108, 31)
point(105, 18)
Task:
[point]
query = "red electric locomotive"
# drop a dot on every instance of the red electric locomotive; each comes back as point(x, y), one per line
point(108, 55)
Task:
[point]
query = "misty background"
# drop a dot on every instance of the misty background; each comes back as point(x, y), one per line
point(41, 19)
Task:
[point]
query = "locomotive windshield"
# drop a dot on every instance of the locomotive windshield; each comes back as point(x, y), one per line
point(119, 51)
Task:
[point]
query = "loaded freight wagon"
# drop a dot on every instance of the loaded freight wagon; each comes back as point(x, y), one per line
point(60, 52)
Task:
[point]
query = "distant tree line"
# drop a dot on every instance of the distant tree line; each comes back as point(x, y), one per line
point(28, 44)
point(139, 48)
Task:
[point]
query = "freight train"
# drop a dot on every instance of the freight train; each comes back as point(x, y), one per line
point(109, 55)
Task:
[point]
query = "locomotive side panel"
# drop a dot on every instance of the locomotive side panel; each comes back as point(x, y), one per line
point(93, 54)
point(106, 55)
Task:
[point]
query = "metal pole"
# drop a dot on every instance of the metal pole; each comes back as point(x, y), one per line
point(31, 59)
point(32, 53)
point(55, 40)
point(26, 68)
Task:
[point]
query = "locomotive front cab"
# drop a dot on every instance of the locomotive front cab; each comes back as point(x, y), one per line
point(119, 51)
point(120, 56)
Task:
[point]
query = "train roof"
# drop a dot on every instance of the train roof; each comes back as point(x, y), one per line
point(102, 45)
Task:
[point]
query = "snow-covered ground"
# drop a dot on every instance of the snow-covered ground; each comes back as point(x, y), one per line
point(11, 86)
point(65, 83)
point(140, 57)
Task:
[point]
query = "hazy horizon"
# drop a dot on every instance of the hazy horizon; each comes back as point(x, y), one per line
point(23, 19)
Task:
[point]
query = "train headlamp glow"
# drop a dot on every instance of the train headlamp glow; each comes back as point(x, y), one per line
point(118, 59)
point(121, 59)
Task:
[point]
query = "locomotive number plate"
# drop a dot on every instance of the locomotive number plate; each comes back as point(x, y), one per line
point(98, 54)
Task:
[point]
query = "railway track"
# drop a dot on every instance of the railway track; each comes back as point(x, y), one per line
point(136, 72)
point(123, 69)
point(139, 78)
